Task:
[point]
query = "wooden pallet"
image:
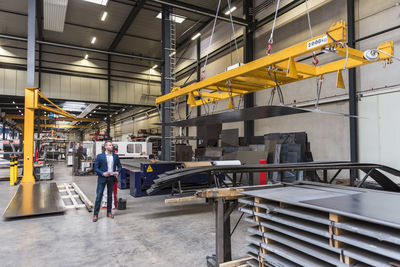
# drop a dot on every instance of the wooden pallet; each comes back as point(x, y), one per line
point(73, 193)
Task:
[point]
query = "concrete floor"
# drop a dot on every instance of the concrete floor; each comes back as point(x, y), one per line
point(147, 233)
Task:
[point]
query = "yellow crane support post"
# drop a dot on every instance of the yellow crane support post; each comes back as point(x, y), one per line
point(256, 75)
point(32, 103)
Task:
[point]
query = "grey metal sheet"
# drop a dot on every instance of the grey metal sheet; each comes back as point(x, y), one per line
point(304, 225)
point(271, 258)
point(290, 254)
point(382, 233)
point(377, 207)
point(230, 137)
point(311, 238)
point(293, 194)
point(299, 212)
point(35, 199)
point(236, 115)
point(368, 257)
point(370, 244)
point(307, 248)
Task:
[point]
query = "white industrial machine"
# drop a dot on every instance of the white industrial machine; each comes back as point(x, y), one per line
point(128, 149)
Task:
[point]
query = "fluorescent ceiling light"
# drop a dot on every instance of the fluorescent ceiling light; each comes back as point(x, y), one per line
point(176, 18)
point(155, 66)
point(13, 102)
point(104, 16)
point(86, 56)
point(196, 36)
point(99, 2)
point(230, 10)
point(93, 40)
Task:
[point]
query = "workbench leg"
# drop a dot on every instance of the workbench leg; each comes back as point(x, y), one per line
point(223, 232)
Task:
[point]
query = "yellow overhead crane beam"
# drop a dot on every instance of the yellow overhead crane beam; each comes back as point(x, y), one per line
point(46, 118)
point(254, 76)
point(61, 126)
point(31, 104)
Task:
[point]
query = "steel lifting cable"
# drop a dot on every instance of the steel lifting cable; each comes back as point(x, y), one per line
point(233, 31)
point(314, 56)
point(271, 37)
point(211, 38)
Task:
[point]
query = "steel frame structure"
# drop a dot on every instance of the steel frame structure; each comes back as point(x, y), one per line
point(32, 104)
point(254, 76)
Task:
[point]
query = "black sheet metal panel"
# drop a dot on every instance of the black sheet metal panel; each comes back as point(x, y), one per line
point(367, 205)
point(35, 199)
point(178, 175)
point(377, 207)
point(236, 115)
point(230, 137)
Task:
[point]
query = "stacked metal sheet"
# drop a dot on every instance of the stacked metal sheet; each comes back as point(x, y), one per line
point(316, 225)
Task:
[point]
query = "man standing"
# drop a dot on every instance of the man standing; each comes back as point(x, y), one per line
point(107, 166)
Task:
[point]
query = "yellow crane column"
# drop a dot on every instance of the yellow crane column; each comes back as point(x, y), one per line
point(31, 103)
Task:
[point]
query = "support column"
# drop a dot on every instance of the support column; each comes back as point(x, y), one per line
point(198, 67)
point(39, 112)
point(352, 93)
point(165, 83)
point(248, 56)
point(4, 130)
point(29, 111)
point(108, 96)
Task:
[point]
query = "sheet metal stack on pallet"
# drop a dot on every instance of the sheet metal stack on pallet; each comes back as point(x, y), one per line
point(316, 225)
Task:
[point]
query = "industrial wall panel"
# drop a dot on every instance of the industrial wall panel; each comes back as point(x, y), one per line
point(65, 87)
point(94, 89)
point(21, 83)
point(130, 93)
point(2, 80)
point(138, 92)
point(114, 86)
point(103, 91)
point(379, 129)
point(55, 86)
point(45, 83)
point(121, 92)
point(85, 89)
point(75, 87)
point(10, 82)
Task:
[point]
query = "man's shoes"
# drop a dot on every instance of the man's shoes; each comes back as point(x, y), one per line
point(95, 218)
point(110, 215)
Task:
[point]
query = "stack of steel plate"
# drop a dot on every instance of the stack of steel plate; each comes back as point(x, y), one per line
point(317, 225)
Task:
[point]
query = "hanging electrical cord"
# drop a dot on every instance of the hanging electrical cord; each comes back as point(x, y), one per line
point(211, 38)
point(319, 88)
point(240, 101)
point(271, 97)
point(271, 37)
point(278, 88)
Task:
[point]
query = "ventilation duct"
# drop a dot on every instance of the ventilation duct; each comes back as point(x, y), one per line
point(54, 14)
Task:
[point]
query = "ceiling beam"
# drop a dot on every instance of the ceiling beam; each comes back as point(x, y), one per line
point(128, 22)
point(201, 10)
point(82, 48)
point(40, 24)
